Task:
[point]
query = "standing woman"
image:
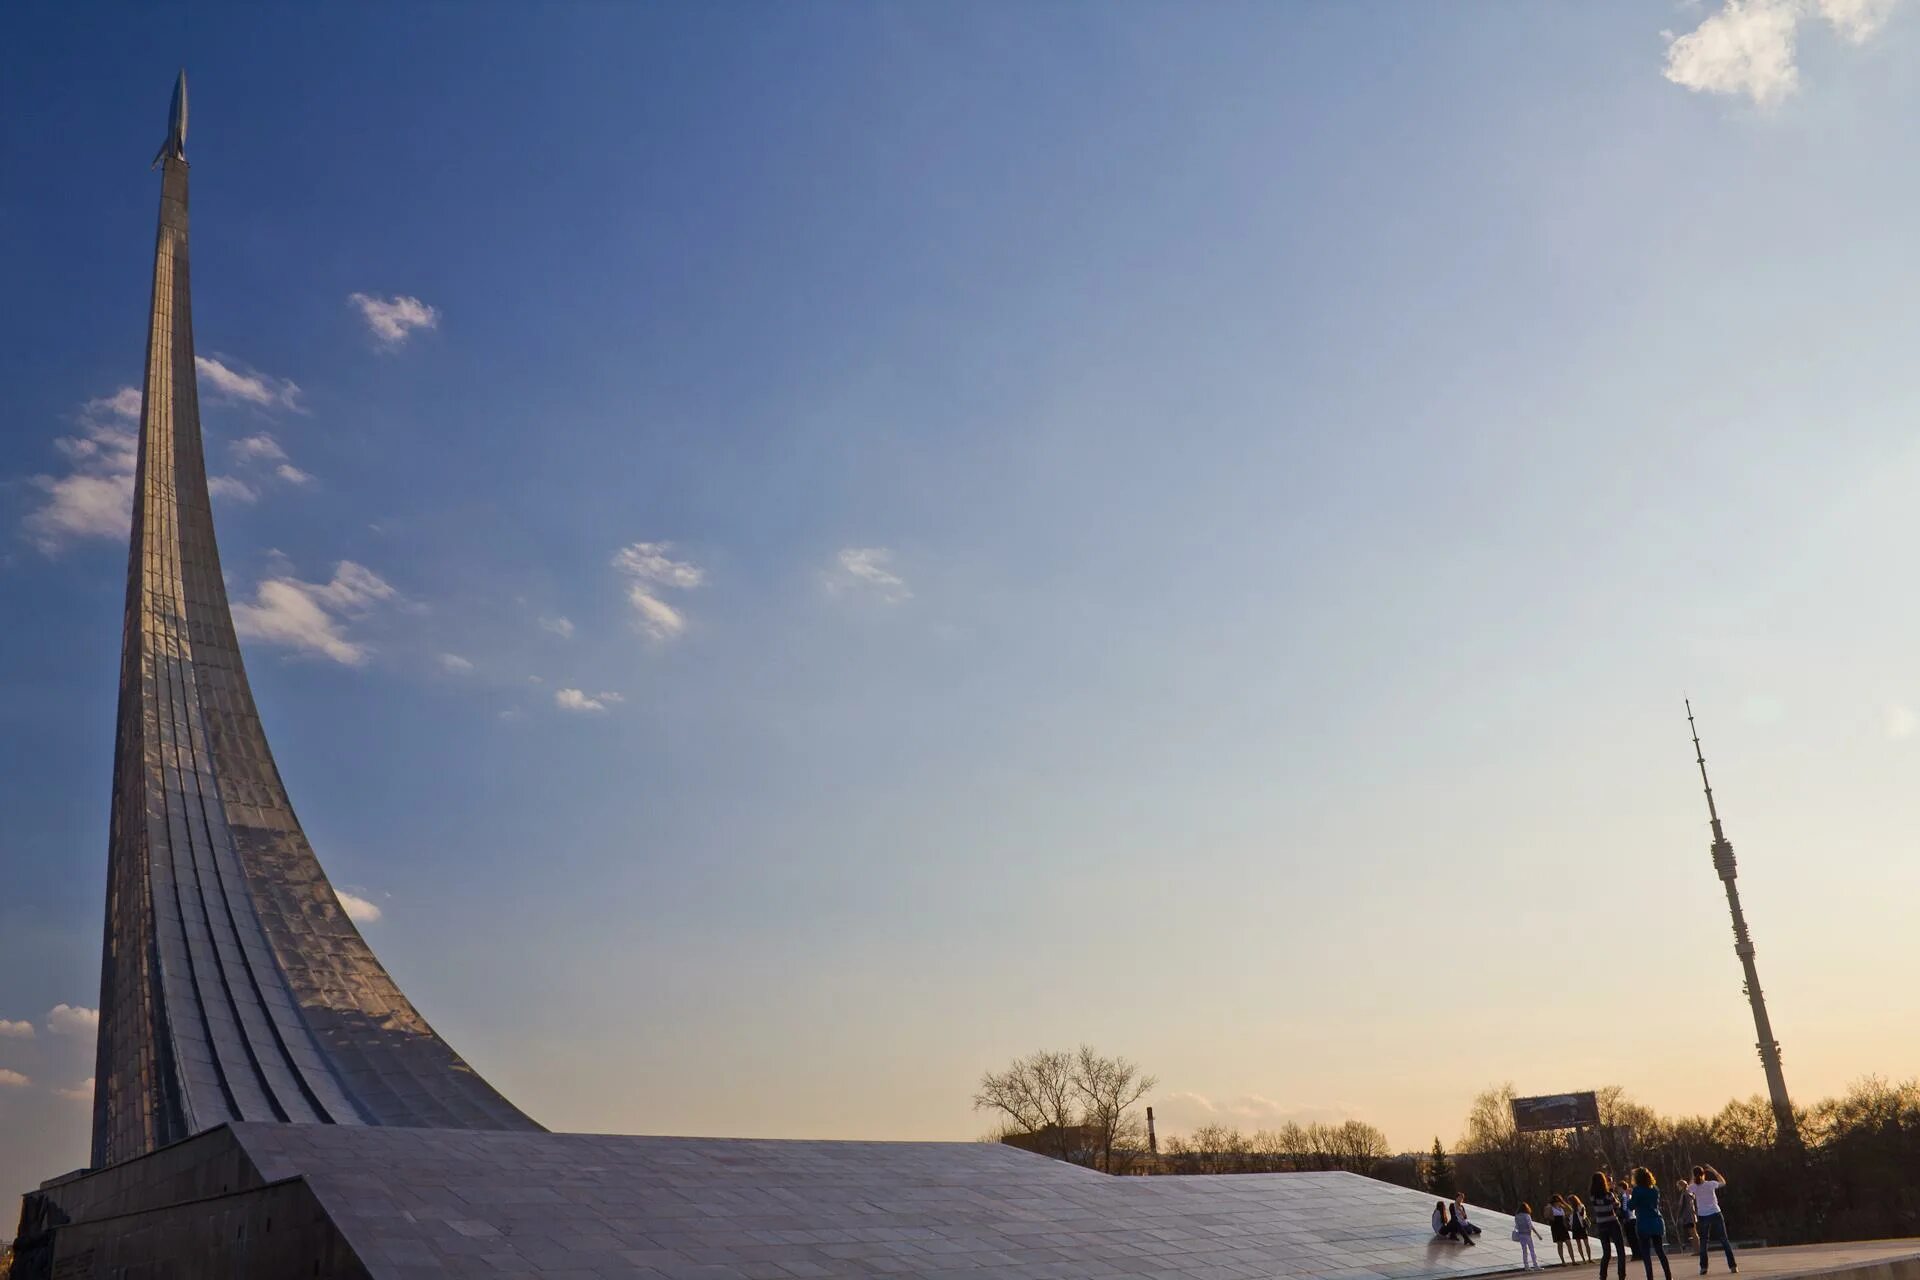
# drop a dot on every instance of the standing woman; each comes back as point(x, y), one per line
point(1560, 1227)
point(1705, 1190)
point(1689, 1216)
point(1577, 1219)
point(1606, 1223)
point(1526, 1233)
point(1647, 1219)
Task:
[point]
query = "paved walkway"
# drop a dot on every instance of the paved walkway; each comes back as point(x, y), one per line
point(1863, 1256)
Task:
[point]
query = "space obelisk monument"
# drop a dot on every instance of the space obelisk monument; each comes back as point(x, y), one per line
point(233, 986)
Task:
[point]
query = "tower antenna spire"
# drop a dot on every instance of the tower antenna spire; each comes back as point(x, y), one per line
point(1700, 759)
point(1727, 869)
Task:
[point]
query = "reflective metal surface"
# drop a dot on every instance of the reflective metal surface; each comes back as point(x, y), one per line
point(233, 985)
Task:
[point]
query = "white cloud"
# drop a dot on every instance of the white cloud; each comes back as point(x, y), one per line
point(1899, 722)
point(13, 1079)
point(357, 908)
point(124, 403)
point(19, 1029)
point(261, 450)
point(1857, 21)
point(657, 618)
point(866, 569)
point(259, 447)
point(1748, 46)
point(454, 664)
point(229, 382)
point(231, 487)
point(81, 505)
point(73, 1020)
point(394, 319)
point(649, 562)
point(577, 700)
point(562, 627)
point(311, 617)
point(82, 1092)
point(650, 567)
point(95, 498)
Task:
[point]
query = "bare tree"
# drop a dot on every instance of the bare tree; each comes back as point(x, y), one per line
point(1108, 1088)
point(1078, 1107)
point(1036, 1095)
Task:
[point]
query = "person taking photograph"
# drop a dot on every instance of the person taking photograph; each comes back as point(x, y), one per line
point(1705, 1190)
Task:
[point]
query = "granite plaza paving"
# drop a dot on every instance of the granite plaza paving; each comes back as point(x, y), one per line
point(415, 1204)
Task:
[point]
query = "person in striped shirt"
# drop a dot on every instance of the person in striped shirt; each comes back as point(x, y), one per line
point(1608, 1223)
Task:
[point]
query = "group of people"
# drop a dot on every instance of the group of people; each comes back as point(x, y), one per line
point(1450, 1221)
point(1628, 1219)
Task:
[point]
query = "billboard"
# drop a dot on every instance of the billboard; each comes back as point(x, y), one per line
point(1555, 1111)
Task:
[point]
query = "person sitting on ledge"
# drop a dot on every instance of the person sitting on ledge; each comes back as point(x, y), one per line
point(1467, 1230)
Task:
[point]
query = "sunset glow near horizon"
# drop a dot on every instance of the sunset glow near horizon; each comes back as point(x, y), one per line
point(790, 556)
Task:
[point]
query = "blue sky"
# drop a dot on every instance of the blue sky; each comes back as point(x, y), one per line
point(1181, 530)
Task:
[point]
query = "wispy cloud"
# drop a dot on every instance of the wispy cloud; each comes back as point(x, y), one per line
point(73, 1020)
point(866, 569)
point(13, 1079)
point(562, 627)
point(82, 1092)
point(358, 909)
point(1749, 47)
point(655, 618)
point(1857, 21)
point(228, 379)
point(393, 320)
point(232, 487)
point(124, 403)
point(454, 664)
point(94, 499)
point(259, 447)
point(649, 570)
point(15, 1029)
point(263, 460)
point(312, 617)
point(577, 700)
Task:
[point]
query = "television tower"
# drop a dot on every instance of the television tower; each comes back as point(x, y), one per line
point(1723, 863)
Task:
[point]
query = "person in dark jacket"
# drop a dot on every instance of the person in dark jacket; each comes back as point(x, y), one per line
point(1647, 1220)
point(1607, 1215)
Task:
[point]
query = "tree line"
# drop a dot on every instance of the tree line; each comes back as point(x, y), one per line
point(1852, 1181)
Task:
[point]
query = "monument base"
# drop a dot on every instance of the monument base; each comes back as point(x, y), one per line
point(346, 1203)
